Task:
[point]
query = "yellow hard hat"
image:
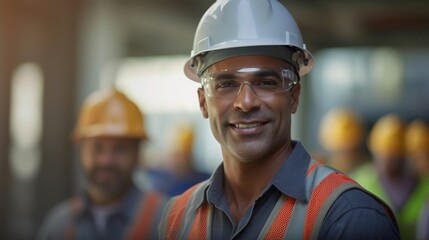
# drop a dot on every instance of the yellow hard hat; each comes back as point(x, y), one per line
point(184, 137)
point(341, 129)
point(417, 137)
point(387, 137)
point(109, 113)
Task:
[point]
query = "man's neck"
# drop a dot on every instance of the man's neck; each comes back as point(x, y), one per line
point(101, 199)
point(245, 181)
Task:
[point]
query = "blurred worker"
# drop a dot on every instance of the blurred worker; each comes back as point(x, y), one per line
point(178, 173)
point(109, 133)
point(342, 134)
point(417, 145)
point(249, 57)
point(390, 177)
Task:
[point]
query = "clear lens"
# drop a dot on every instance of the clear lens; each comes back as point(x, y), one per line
point(263, 81)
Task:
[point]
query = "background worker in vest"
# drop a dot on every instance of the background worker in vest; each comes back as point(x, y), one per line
point(390, 177)
point(417, 146)
point(342, 135)
point(109, 133)
point(249, 57)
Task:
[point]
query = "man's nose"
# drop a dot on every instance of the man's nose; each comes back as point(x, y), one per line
point(105, 158)
point(246, 99)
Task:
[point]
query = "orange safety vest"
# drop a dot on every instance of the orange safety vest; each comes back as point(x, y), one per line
point(143, 224)
point(323, 184)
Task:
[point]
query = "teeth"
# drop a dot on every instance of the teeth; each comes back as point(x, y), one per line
point(250, 125)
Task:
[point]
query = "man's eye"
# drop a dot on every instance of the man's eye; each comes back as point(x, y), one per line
point(226, 85)
point(268, 83)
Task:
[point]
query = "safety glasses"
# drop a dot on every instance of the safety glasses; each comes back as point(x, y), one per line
point(264, 82)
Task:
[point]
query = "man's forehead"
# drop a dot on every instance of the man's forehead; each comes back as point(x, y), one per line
point(249, 62)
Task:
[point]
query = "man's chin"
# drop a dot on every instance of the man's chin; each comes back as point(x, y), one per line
point(110, 192)
point(107, 187)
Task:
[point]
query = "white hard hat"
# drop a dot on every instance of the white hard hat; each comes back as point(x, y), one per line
point(231, 24)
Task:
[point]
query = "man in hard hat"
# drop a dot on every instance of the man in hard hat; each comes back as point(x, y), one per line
point(249, 57)
point(417, 146)
point(390, 177)
point(109, 133)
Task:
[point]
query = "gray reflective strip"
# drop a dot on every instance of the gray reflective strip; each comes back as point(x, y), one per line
point(189, 213)
point(327, 205)
point(312, 162)
point(297, 221)
point(209, 222)
point(299, 214)
point(162, 229)
point(272, 217)
point(317, 176)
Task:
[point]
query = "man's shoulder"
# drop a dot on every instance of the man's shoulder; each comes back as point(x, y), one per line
point(354, 197)
point(360, 214)
point(65, 208)
point(58, 219)
point(359, 198)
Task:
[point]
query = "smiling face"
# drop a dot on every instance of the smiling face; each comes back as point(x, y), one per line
point(247, 126)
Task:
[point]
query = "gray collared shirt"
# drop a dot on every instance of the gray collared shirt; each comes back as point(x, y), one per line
point(354, 215)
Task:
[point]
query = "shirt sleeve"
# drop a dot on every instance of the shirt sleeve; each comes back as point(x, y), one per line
point(55, 223)
point(358, 215)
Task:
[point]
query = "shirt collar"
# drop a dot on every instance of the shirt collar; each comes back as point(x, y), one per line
point(126, 208)
point(215, 191)
point(290, 179)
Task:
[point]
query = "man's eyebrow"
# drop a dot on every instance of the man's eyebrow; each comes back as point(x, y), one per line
point(225, 76)
point(265, 73)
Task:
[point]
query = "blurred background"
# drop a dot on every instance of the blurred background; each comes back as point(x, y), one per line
point(371, 56)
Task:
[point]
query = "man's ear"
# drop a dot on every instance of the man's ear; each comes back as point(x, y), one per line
point(296, 91)
point(203, 103)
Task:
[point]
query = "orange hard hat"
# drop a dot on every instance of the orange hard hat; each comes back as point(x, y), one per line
point(109, 113)
point(341, 129)
point(387, 137)
point(417, 137)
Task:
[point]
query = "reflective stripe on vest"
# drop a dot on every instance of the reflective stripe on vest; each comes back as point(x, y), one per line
point(143, 226)
point(144, 223)
point(323, 186)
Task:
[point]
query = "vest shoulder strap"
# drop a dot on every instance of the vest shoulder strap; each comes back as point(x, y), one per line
point(144, 224)
point(76, 204)
point(179, 221)
point(321, 200)
point(323, 185)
